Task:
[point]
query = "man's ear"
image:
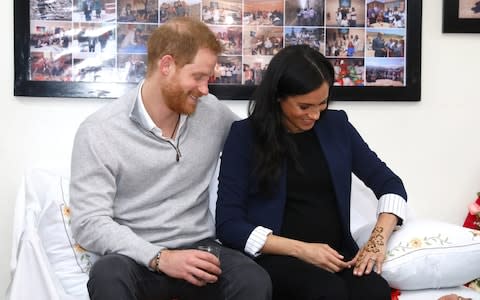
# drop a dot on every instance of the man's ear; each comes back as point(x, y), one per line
point(166, 65)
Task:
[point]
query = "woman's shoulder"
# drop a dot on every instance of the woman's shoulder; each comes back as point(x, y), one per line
point(333, 115)
point(241, 127)
point(244, 123)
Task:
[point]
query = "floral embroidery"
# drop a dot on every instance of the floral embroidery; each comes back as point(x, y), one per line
point(417, 243)
point(78, 248)
point(83, 258)
point(476, 233)
point(66, 211)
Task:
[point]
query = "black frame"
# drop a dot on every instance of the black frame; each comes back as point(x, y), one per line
point(453, 24)
point(24, 87)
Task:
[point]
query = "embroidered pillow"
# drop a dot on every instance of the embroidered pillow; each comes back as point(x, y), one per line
point(70, 262)
point(429, 254)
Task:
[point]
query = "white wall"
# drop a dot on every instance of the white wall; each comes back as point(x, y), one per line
point(433, 144)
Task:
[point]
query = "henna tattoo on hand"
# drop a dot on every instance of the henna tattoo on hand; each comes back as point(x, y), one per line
point(376, 240)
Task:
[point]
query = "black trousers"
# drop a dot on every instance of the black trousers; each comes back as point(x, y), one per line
point(294, 279)
point(118, 277)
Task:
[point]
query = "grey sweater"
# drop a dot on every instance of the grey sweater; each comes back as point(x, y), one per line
point(128, 193)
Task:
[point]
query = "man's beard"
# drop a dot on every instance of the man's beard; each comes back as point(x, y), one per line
point(177, 100)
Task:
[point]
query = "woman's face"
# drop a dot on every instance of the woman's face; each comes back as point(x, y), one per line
point(300, 112)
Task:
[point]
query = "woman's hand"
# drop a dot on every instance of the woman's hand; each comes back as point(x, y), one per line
point(320, 255)
point(372, 255)
point(323, 256)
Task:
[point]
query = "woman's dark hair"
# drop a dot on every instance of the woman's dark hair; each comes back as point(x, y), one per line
point(294, 70)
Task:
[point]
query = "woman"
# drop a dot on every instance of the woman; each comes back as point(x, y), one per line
point(285, 180)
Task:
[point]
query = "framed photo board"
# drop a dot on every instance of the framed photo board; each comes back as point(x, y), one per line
point(97, 48)
point(461, 16)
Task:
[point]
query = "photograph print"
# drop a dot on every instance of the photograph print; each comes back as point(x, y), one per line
point(263, 12)
point(60, 10)
point(469, 9)
point(385, 42)
point(230, 37)
point(136, 11)
point(385, 71)
point(386, 13)
point(345, 42)
point(105, 41)
point(461, 16)
point(312, 36)
point(348, 71)
point(174, 8)
point(304, 12)
point(50, 51)
point(222, 12)
point(93, 10)
point(345, 13)
point(262, 40)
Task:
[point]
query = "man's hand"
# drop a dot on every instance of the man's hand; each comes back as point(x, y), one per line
point(195, 266)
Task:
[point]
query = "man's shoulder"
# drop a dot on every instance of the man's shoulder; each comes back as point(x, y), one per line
point(211, 109)
point(115, 111)
point(103, 114)
point(210, 102)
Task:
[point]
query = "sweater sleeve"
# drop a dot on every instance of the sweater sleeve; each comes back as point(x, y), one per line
point(92, 193)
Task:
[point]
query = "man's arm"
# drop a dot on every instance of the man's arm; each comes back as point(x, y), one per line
point(92, 193)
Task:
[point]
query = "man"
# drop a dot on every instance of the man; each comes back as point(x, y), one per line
point(87, 9)
point(378, 45)
point(139, 183)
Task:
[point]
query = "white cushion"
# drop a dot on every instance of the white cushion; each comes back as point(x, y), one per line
point(462, 291)
point(429, 254)
point(70, 262)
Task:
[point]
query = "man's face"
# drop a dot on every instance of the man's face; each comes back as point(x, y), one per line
point(188, 83)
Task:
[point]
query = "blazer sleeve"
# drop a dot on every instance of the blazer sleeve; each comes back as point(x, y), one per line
point(367, 166)
point(232, 226)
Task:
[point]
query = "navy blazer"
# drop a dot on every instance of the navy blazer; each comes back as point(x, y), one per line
point(240, 208)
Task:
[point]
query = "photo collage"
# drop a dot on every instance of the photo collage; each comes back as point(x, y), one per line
point(106, 40)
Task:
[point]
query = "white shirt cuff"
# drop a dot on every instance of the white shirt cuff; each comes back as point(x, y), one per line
point(257, 240)
point(394, 204)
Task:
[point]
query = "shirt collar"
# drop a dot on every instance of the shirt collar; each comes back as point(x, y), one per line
point(141, 116)
point(144, 117)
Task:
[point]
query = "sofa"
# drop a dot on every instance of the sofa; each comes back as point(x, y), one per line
point(425, 260)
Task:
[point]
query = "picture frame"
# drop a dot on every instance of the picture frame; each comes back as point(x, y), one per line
point(461, 16)
point(29, 80)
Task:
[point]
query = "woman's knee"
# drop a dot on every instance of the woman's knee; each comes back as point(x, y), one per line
point(371, 286)
point(332, 289)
